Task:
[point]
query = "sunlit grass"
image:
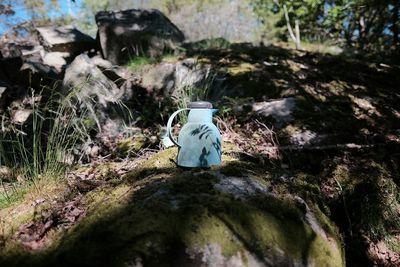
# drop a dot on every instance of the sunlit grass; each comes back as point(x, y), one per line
point(11, 195)
point(321, 47)
point(138, 62)
point(169, 57)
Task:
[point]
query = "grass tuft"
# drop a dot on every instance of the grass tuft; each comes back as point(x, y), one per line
point(42, 148)
point(190, 90)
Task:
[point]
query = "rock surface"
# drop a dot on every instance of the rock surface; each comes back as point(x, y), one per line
point(280, 110)
point(35, 74)
point(21, 116)
point(84, 76)
point(163, 216)
point(11, 50)
point(129, 33)
point(58, 60)
point(65, 39)
point(96, 95)
point(113, 72)
point(171, 78)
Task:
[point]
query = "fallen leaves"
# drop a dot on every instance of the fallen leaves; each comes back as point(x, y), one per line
point(33, 234)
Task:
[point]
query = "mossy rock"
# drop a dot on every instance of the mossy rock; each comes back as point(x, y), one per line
point(163, 216)
point(132, 145)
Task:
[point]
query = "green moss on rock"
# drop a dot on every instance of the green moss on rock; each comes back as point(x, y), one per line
point(132, 145)
point(164, 216)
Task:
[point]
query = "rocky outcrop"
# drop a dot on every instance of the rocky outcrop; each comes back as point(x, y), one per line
point(171, 78)
point(115, 73)
point(158, 215)
point(65, 39)
point(214, 219)
point(93, 90)
point(129, 33)
point(35, 74)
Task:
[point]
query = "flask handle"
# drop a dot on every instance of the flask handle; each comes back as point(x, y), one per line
point(169, 126)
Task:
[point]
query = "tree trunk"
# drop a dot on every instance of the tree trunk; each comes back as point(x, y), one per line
point(361, 32)
point(297, 31)
point(295, 38)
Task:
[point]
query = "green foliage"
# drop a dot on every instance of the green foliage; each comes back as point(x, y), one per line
point(137, 62)
point(361, 24)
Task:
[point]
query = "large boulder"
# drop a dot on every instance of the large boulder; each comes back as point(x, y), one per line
point(113, 72)
point(65, 39)
point(83, 75)
point(128, 33)
point(35, 74)
point(159, 78)
point(92, 88)
point(162, 216)
point(171, 79)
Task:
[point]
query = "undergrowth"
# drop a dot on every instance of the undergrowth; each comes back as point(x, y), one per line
point(42, 148)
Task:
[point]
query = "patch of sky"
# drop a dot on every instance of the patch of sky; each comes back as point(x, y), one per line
point(66, 8)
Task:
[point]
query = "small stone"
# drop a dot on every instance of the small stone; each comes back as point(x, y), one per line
point(94, 151)
point(21, 116)
point(5, 174)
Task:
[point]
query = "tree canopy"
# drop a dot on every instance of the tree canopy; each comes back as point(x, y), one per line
point(363, 24)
